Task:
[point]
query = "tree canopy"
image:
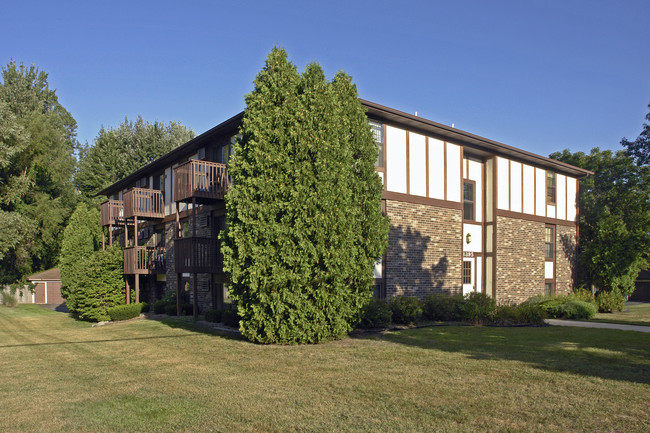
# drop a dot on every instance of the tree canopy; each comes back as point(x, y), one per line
point(304, 213)
point(614, 214)
point(118, 152)
point(37, 145)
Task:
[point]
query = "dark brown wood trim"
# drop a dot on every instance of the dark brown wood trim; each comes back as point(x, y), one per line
point(566, 197)
point(525, 216)
point(397, 196)
point(385, 159)
point(522, 186)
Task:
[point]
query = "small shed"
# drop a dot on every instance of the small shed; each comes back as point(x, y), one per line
point(48, 288)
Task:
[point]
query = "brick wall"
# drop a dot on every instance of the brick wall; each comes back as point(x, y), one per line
point(565, 244)
point(424, 254)
point(520, 259)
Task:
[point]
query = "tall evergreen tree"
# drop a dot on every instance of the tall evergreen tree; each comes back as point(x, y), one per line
point(304, 212)
point(37, 144)
point(118, 152)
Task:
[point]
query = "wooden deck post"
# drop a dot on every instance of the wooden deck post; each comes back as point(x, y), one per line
point(195, 301)
point(128, 289)
point(103, 240)
point(137, 288)
point(110, 235)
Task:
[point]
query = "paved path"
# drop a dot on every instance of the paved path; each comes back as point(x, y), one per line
point(558, 322)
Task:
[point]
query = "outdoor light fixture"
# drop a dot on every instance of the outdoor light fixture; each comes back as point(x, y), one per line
point(468, 238)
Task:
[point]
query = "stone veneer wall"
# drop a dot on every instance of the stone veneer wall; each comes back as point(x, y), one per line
point(425, 253)
point(565, 259)
point(520, 259)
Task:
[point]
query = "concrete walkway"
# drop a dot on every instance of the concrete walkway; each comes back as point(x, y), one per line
point(559, 322)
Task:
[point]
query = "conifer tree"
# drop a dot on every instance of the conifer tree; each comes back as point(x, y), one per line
point(304, 213)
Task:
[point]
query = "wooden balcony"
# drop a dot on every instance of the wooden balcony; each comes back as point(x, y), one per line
point(143, 203)
point(112, 212)
point(198, 255)
point(144, 260)
point(202, 180)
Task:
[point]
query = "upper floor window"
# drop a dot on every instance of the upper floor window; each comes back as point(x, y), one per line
point(378, 132)
point(549, 242)
point(551, 189)
point(469, 201)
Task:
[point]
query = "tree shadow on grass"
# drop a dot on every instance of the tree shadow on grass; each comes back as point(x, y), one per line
point(602, 353)
point(202, 327)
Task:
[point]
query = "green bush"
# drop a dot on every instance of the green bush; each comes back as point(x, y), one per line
point(522, 314)
point(9, 299)
point(170, 309)
point(213, 315)
point(609, 301)
point(145, 307)
point(576, 310)
point(230, 318)
point(377, 314)
point(125, 312)
point(582, 295)
point(99, 286)
point(442, 307)
point(187, 309)
point(478, 308)
point(159, 306)
point(406, 309)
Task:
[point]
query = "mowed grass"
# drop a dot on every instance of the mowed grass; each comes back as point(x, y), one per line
point(60, 375)
point(638, 314)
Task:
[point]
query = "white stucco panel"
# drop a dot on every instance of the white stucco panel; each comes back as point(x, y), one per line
point(476, 174)
point(540, 192)
point(515, 186)
point(561, 196)
point(436, 169)
point(417, 165)
point(529, 189)
point(548, 270)
point(571, 191)
point(395, 159)
point(476, 234)
point(453, 172)
point(503, 170)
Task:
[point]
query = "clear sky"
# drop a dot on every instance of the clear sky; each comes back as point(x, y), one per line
point(539, 75)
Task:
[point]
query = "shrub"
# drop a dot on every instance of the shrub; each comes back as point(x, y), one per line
point(125, 312)
point(609, 301)
point(442, 307)
point(530, 314)
point(406, 309)
point(170, 309)
point(377, 314)
point(159, 306)
point(230, 318)
point(478, 308)
point(9, 299)
point(576, 310)
point(213, 315)
point(187, 309)
point(582, 295)
point(145, 307)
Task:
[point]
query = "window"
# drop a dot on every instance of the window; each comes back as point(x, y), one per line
point(550, 187)
point(467, 272)
point(468, 201)
point(549, 289)
point(378, 132)
point(549, 242)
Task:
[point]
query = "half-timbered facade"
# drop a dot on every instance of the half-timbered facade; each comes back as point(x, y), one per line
point(467, 214)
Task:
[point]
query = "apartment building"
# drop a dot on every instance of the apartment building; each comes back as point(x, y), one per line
point(467, 214)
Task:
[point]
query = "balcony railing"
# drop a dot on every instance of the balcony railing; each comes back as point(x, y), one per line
point(203, 180)
point(112, 212)
point(144, 260)
point(198, 255)
point(143, 203)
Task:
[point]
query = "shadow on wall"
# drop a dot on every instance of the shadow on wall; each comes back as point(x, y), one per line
point(409, 267)
point(568, 244)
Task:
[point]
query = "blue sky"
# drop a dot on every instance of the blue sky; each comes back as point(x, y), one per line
point(539, 75)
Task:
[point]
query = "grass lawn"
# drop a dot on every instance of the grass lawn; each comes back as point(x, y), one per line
point(59, 375)
point(638, 314)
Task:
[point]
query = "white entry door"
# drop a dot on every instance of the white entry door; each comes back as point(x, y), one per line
point(469, 275)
